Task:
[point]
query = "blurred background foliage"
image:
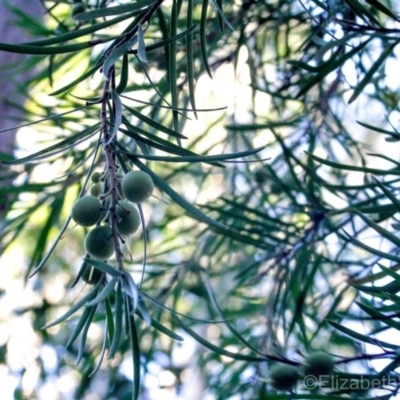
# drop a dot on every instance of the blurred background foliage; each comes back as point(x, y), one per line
point(301, 250)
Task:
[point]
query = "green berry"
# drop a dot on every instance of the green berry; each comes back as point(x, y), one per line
point(99, 242)
point(261, 176)
point(137, 186)
point(283, 377)
point(95, 177)
point(86, 211)
point(95, 190)
point(318, 364)
point(91, 275)
point(128, 219)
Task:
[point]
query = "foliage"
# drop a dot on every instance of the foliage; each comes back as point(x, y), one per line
point(272, 232)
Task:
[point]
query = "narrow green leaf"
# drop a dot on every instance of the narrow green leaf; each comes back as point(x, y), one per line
point(59, 147)
point(101, 357)
point(218, 6)
point(369, 75)
point(198, 158)
point(373, 250)
point(374, 277)
point(51, 117)
point(109, 319)
point(82, 320)
point(135, 354)
point(382, 8)
point(393, 171)
point(50, 50)
point(378, 129)
point(154, 124)
point(376, 315)
point(362, 11)
point(116, 54)
point(118, 312)
point(173, 312)
point(79, 32)
point(390, 272)
point(172, 65)
point(102, 266)
point(267, 125)
point(124, 75)
point(132, 8)
point(130, 288)
point(52, 248)
point(382, 231)
point(361, 337)
point(157, 325)
point(216, 349)
point(166, 42)
point(76, 81)
point(144, 313)
point(84, 336)
point(215, 304)
point(179, 199)
point(117, 117)
point(141, 49)
point(104, 293)
point(389, 194)
point(190, 57)
point(379, 291)
point(75, 307)
point(203, 37)
point(330, 66)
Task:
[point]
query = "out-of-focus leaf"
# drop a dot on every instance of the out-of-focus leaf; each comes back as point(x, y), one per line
point(156, 125)
point(218, 350)
point(61, 146)
point(375, 171)
point(179, 199)
point(132, 9)
point(76, 306)
point(361, 337)
point(369, 75)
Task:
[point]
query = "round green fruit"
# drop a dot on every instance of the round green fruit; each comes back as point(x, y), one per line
point(95, 177)
point(128, 219)
point(99, 242)
point(137, 186)
point(261, 176)
point(95, 190)
point(318, 364)
point(283, 377)
point(91, 275)
point(86, 211)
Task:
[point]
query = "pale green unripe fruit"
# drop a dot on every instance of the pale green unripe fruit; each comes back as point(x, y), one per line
point(128, 219)
point(318, 364)
point(137, 186)
point(283, 377)
point(95, 190)
point(99, 242)
point(86, 211)
point(91, 275)
point(95, 177)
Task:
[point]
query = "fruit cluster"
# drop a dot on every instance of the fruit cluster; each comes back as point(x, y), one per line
point(97, 209)
point(285, 377)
